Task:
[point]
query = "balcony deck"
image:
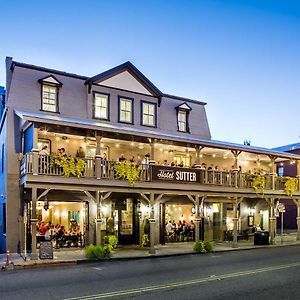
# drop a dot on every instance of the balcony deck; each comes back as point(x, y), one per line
point(35, 168)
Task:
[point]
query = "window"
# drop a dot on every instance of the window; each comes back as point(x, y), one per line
point(126, 110)
point(182, 121)
point(49, 98)
point(183, 112)
point(280, 171)
point(148, 114)
point(50, 86)
point(101, 106)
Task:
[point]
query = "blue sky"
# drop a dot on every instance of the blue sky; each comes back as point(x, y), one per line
point(241, 57)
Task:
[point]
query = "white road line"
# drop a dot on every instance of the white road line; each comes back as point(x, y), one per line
point(183, 283)
point(98, 269)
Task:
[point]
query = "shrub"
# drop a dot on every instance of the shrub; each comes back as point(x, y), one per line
point(208, 246)
point(96, 252)
point(145, 241)
point(113, 241)
point(198, 247)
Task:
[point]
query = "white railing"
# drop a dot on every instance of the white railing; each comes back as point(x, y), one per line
point(38, 164)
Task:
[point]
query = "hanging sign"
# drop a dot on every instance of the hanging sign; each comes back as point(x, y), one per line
point(174, 174)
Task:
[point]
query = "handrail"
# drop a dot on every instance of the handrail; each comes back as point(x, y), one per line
point(104, 169)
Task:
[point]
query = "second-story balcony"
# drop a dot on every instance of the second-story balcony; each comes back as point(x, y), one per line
point(96, 169)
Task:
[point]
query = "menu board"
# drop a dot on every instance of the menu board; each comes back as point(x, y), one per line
point(46, 250)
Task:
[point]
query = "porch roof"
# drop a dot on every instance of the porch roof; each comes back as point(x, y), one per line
point(147, 133)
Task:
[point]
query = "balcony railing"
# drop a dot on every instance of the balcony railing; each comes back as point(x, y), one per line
point(37, 164)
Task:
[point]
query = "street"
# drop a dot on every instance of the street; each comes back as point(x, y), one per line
point(272, 273)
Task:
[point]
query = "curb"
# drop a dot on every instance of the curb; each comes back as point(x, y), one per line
point(50, 264)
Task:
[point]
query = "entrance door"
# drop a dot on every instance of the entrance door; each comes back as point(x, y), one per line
point(128, 222)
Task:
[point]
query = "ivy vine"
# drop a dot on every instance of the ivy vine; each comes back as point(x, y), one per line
point(127, 171)
point(258, 182)
point(70, 166)
point(290, 185)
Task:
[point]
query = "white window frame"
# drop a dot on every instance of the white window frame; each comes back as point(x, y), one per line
point(126, 110)
point(101, 111)
point(49, 98)
point(182, 124)
point(147, 115)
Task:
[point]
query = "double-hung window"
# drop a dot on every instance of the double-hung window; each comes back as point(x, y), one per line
point(50, 90)
point(101, 106)
point(49, 98)
point(148, 114)
point(183, 112)
point(126, 110)
point(182, 120)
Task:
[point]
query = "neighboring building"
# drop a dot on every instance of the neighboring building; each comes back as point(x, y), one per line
point(183, 174)
point(288, 168)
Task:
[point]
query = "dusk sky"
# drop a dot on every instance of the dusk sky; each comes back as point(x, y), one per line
point(241, 57)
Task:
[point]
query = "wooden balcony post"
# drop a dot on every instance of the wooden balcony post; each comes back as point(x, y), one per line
point(298, 174)
point(198, 155)
point(273, 172)
point(33, 222)
point(272, 221)
point(152, 222)
point(235, 220)
point(98, 166)
point(35, 162)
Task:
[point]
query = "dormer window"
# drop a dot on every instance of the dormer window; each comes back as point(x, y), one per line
point(50, 89)
point(183, 112)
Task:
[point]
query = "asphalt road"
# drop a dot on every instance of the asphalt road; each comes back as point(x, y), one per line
point(272, 273)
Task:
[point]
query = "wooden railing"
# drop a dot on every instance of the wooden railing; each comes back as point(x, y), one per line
point(37, 164)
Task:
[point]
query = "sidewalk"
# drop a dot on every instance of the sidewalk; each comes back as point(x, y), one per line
point(74, 256)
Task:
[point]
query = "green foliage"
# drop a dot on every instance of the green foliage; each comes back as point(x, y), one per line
point(290, 185)
point(208, 246)
point(70, 165)
point(111, 240)
point(203, 246)
point(110, 223)
point(199, 247)
point(147, 227)
point(127, 171)
point(145, 241)
point(97, 252)
point(258, 182)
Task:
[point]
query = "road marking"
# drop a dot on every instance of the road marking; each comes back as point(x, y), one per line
point(183, 283)
point(98, 269)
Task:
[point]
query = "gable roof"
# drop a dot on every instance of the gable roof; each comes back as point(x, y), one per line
point(184, 106)
point(131, 69)
point(50, 79)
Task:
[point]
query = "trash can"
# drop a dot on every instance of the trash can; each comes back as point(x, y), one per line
point(261, 238)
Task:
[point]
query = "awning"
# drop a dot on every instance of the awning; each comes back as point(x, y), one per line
point(147, 133)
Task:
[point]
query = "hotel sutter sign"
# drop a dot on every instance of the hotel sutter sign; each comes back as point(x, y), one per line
point(174, 174)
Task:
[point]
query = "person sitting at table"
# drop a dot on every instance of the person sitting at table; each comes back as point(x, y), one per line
point(165, 163)
point(43, 228)
point(74, 229)
point(132, 159)
point(59, 237)
point(47, 233)
point(122, 158)
point(169, 228)
point(181, 164)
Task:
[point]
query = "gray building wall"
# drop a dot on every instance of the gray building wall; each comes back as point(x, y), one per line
point(24, 93)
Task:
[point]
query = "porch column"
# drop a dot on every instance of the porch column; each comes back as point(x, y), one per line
point(235, 167)
point(298, 174)
point(272, 222)
point(273, 172)
point(33, 222)
point(152, 222)
point(152, 151)
point(98, 219)
point(298, 220)
point(197, 218)
point(198, 153)
point(98, 144)
point(235, 223)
